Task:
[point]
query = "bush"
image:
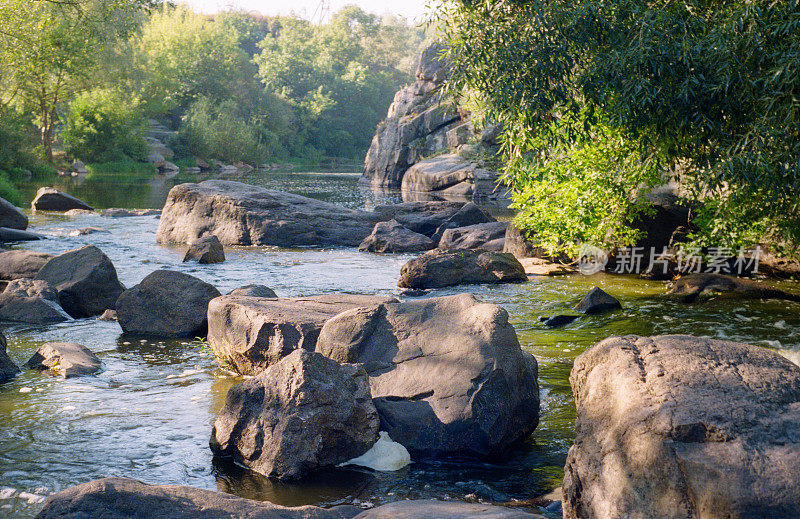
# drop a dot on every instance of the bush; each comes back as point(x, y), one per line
point(100, 126)
point(16, 141)
point(8, 191)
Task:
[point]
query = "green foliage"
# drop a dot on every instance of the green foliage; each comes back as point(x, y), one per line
point(7, 189)
point(120, 167)
point(708, 88)
point(102, 126)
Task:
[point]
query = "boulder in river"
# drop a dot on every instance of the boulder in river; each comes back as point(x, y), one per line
point(469, 214)
point(122, 498)
point(253, 291)
point(447, 374)
point(51, 199)
point(597, 301)
point(11, 217)
point(67, 359)
point(443, 268)
point(252, 333)
point(676, 426)
point(8, 369)
point(85, 279)
point(31, 301)
point(11, 235)
point(421, 217)
point(17, 264)
point(207, 249)
point(241, 214)
point(166, 303)
point(391, 236)
point(487, 236)
point(302, 413)
point(450, 175)
point(698, 287)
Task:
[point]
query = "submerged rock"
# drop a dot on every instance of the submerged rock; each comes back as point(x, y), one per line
point(166, 304)
point(11, 217)
point(443, 268)
point(251, 333)
point(85, 279)
point(67, 359)
point(121, 498)
point(557, 320)
point(8, 369)
point(31, 301)
point(447, 374)
point(302, 413)
point(253, 291)
point(385, 456)
point(676, 426)
point(597, 301)
point(51, 199)
point(391, 236)
point(207, 249)
point(17, 264)
point(697, 287)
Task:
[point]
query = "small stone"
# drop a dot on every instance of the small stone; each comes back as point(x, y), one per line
point(597, 301)
point(207, 249)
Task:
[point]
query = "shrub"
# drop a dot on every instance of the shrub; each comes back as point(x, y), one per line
point(101, 126)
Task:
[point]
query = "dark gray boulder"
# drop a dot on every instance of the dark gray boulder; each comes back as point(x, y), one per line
point(676, 426)
point(443, 268)
point(421, 217)
point(85, 279)
point(698, 287)
point(31, 301)
point(17, 264)
point(121, 498)
point(250, 334)
point(253, 291)
point(303, 413)
point(468, 214)
point(557, 320)
point(51, 199)
point(597, 301)
point(487, 236)
point(166, 304)
point(11, 216)
point(241, 214)
point(67, 359)
point(391, 236)
point(205, 250)
point(429, 508)
point(447, 374)
point(12, 235)
point(8, 369)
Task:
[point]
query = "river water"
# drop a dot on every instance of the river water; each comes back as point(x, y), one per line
point(148, 414)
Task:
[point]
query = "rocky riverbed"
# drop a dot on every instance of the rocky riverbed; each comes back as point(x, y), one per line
point(148, 413)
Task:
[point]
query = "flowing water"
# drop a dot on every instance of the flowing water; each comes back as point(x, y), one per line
point(148, 414)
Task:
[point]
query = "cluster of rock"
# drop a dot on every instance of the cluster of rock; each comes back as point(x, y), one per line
point(451, 364)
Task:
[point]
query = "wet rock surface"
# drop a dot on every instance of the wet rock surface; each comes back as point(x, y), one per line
point(676, 426)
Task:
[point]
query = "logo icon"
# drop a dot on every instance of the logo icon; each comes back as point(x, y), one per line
point(591, 259)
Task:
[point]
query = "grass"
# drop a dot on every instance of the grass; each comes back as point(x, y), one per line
point(124, 167)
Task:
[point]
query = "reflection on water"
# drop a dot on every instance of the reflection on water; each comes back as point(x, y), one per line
point(148, 414)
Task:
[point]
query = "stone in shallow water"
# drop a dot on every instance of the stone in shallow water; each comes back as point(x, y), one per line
point(597, 301)
point(205, 250)
point(443, 268)
point(392, 237)
point(68, 359)
point(31, 301)
point(675, 426)
point(51, 199)
point(303, 413)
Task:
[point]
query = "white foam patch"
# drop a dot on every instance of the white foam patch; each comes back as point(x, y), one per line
point(385, 456)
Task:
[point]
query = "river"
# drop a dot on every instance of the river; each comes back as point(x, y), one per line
point(148, 414)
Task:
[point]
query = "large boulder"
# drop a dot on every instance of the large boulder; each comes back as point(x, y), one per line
point(8, 369)
point(450, 175)
point(121, 498)
point(447, 374)
point(241, 214)
point(85, 279)
point(205, 250)
point(11, 216)
point(597, 301)
point(469, 214)
point(391, 236)
point(488, 236)
point(166, 304)
point(17, 264)
point(444, 268)
point(303, 413)
point(416, 124)
point(67, 359)
point(683, 427)
point(250, 334)
point(428, 508)
point(421, 217)
point(698, 287)
point(51, 199)
point(31, 301)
